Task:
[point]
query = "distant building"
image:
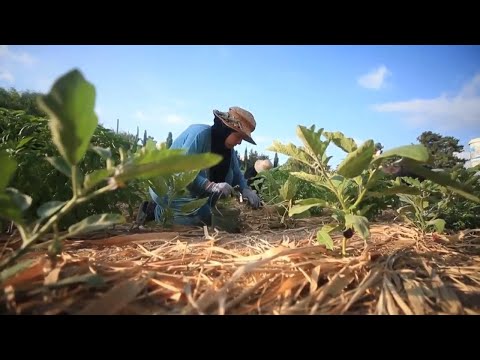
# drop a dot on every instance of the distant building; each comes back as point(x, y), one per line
point(474, 152)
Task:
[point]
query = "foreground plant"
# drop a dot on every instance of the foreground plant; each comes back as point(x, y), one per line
point(70, 107)
point(353, 179)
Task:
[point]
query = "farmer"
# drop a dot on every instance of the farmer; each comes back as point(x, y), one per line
point(228, 130)
point(258, 167)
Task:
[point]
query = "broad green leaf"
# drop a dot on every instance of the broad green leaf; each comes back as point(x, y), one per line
point(49, 208)
point(159, 185)
point(324, 238)
point(8, 209)
point(442, 179)
point(399, 189)
point(346, 144)
point(21, 201)
point(95, 222)
point(289, 188)
point(182, 180)
point(61, 165)
point(8, 166)
point(193, 205)
point(304, 205)
point(96, 177)
point(105, 153)
point(438, 223)
point(146, 155)
point(292, 151)
point(331, 227)
point(311, 140)
point(15, 269)
point(414, 152)
point(359, 224)
point(357, 161)
point(373, 178)
point(70, 105)
point(23, 142)
point(166, 166)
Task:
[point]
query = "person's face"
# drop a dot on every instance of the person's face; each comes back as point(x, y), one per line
point(232, 140)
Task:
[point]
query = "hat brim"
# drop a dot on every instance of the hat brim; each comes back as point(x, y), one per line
point(222, 116)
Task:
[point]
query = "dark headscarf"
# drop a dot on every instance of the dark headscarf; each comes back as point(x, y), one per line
point(219, 133)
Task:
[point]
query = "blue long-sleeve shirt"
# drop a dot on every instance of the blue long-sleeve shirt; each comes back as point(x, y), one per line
point(197, 139)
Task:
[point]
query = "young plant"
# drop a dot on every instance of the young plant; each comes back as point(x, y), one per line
point(351, 182)
point(70, 106)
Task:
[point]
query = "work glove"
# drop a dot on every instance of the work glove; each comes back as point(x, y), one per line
point(251, 197)
point(219, 189)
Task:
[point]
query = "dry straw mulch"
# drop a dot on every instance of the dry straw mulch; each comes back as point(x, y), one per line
point(263, 271)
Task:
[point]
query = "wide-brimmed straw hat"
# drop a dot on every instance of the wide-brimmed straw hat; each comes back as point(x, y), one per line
point(262, 165)
point(239, 120)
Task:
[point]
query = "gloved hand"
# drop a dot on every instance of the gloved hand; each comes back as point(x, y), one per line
point(252, 197)
point(219, 189)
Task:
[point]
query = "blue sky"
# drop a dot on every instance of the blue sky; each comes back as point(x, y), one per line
point(390, 94)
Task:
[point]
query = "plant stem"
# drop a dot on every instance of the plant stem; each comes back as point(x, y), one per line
point(53, 220)
point(74, 180)
point(344, 246)
point(363, 192)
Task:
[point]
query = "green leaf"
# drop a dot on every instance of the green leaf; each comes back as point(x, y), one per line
point(61, 165)
point(23, 142)
point(21, 201)
point(304, 205)
point(289, 188)
point(8, 209)
point(182, 180)
point(438, 223)
point(331, 227)
point(311, 141)
point(159, 185)
point(442, 179)
point(373, 178)
point(357, 161)
point(49, 208)
point(15, 269)
point(359, 223)
point(104, 153)
point(290, 150)
point(414, 152)
point(193, 205)
point(346, 144)
point(166, 166)
point(324, 238)
point(95, 222)
point(8, 166)
point(70, 105)
point(399, 189)
point(96, 177)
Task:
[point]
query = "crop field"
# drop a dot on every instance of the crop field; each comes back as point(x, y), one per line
point(346, 240)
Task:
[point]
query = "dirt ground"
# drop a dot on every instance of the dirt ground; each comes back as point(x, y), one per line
point(270, 268)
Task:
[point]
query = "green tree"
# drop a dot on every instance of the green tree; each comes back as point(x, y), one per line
point(14, 100)
point(169, 140)
point(245, 158)
point(275, 160)
point(441, 149)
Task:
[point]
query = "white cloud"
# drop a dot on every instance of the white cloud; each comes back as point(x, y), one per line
point(175, 119)
point(463, 155)
point(23, 57)
point(375, 79)
point(139, 115)
point(260, 139)
point(7, 76)
point(458, 111)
